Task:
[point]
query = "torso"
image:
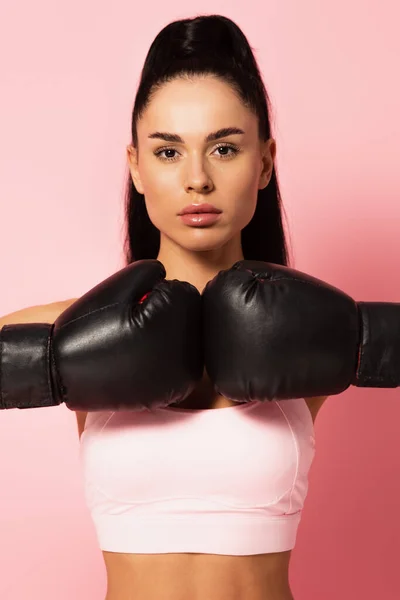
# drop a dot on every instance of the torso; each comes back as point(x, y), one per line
point(201, 576)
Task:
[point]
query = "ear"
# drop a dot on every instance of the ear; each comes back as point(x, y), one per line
point(132, 156)
point(267, 157)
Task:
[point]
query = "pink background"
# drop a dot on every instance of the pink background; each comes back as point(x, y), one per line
point(69, 71)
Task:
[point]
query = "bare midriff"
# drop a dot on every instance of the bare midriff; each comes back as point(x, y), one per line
point(197, 577)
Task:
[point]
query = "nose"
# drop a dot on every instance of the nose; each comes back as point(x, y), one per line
point(198, 180)
point(196, 187)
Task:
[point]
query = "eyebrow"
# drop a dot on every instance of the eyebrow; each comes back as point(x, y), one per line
point(215, 135)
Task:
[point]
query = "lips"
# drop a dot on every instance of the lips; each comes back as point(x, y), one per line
point(200, 219)
point(199, 209)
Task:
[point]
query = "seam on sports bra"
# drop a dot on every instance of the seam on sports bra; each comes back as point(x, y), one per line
point(107, 421)
point(297, 452)
point(168, 498)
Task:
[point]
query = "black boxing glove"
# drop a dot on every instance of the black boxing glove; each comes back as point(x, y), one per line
point(130, 343)
point(274, 333)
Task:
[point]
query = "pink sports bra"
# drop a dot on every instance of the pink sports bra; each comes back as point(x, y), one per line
point(217, 481)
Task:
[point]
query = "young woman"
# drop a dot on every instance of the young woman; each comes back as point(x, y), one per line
point(182, 508)
point(201, 138)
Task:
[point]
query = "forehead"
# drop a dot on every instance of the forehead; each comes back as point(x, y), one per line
point(195, 106)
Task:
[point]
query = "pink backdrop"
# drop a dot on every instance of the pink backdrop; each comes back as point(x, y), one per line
point(68, 76)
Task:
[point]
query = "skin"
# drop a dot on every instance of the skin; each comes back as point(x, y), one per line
point(199, 172)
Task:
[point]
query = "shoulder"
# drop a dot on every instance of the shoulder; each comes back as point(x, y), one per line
point(64, 304)
point(50, 312)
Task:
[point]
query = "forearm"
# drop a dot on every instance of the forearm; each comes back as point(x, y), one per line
point(25, 376)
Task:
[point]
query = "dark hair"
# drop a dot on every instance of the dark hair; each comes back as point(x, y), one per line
point(206, 45)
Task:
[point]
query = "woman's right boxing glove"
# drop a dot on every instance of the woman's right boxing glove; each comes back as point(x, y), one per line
point(130, 343)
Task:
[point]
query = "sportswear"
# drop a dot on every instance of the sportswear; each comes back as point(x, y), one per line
point(131, 342)
point(220, 481)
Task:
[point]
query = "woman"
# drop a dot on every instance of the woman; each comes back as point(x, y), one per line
point(200, 77)
point(202, 194)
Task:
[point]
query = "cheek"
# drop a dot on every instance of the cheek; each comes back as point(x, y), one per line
point(242, 178)
point(157, 209)
point(161, 207)
point(157, 191)
point(154, 179)
point(244, 211)
point(243, 196)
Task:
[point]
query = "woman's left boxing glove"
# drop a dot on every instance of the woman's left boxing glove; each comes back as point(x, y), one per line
point(132, 342)
point(271, 332)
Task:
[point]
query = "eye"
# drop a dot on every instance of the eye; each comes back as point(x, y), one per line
point(166, 158)
point(234, 151)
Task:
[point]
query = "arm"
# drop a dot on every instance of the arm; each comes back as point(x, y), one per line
point(44, 313)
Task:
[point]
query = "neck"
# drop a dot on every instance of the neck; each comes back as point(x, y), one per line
point(197, 266)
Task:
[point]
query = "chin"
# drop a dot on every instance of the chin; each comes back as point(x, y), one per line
point(202, 245)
